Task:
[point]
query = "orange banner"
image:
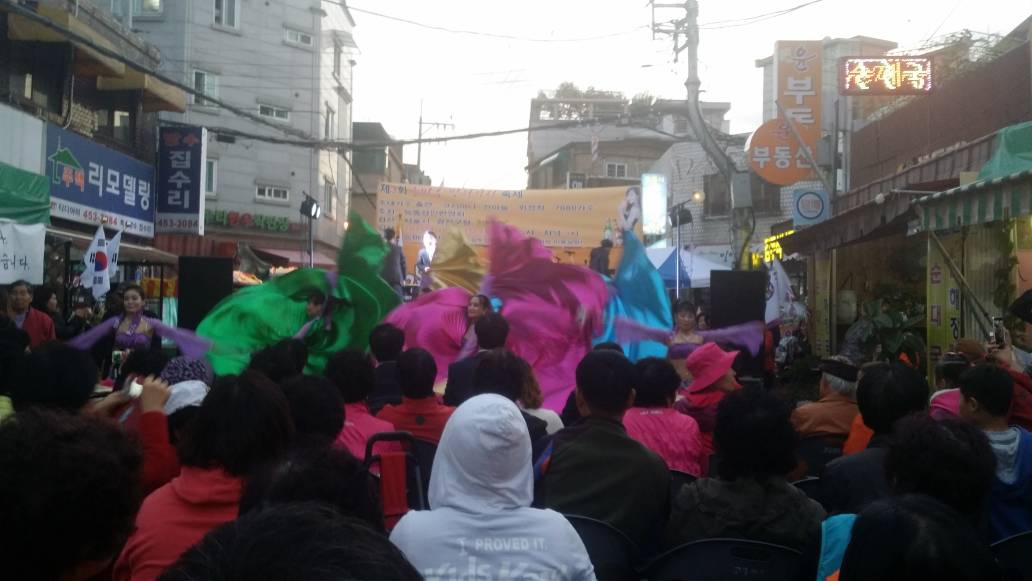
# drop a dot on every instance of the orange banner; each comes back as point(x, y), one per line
point(577, 218)
point(797, 72)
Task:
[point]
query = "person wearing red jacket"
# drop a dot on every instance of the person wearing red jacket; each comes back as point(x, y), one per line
point(419, 411)
point(244, 423)
point(38, 324)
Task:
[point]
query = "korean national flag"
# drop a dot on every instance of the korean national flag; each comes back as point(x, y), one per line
point(97, 274)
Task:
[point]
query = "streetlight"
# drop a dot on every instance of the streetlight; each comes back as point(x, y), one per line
point(311, 211)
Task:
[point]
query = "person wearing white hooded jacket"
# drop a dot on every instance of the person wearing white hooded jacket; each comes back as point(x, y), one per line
point(480, 525)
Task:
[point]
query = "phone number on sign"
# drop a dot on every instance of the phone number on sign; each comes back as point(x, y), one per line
point(177, 223)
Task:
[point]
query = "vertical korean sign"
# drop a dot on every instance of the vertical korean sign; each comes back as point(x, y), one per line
point(797, 71)
point(92, 184)
point(182, 168)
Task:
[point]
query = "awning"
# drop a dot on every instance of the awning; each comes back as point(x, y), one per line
point(127, 251)
point(157, 94)
point(24, 196)
point(864, 222)
point(979, 202)
point(295, 257)
point(88, 61)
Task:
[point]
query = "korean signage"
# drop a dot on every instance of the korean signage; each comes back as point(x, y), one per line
point(943, 324)
point(575, 218)
point(247, 221)
point(772, 246)
point(182, 156)
point(778, 156)
point(92, 184)
point(885, 76)
point(810, 207)
point(21, 252)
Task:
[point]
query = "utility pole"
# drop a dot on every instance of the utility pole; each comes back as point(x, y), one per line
point(685, 33)
point(432, 125)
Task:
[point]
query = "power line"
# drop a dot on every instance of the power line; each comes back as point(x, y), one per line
point(484, 34)
point(749, 20)
point(13, 6)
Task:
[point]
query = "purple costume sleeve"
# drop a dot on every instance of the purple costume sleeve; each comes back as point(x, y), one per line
point(746, 335)
point(90, 338)
point(189, 344)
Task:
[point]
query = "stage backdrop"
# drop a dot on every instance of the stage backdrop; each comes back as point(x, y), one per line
point(571, 222)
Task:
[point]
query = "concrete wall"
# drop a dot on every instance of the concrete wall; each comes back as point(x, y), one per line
point(256, 65)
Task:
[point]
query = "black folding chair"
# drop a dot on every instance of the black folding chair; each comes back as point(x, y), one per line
point(425, 451)
point(415, 483)
point(612, 553)
point(723, 559)
point(678, 480)
point(1015, 555)
point(809, 486)
point(817, 451)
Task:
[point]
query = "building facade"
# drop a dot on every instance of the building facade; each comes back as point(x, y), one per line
point(290, 63)
point(85, 122)
point(372, 166)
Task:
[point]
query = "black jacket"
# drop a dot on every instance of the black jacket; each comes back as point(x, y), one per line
point(393, 270)
point(850, 483)
point(387, 390)
point(460, 381)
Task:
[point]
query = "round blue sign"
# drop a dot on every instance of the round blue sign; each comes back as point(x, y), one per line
point(810, 205)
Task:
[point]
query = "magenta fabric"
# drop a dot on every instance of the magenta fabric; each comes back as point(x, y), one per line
point(436, 322)
point(553, 310)
point(359, 426)
point(945, 405)
point(669, 433)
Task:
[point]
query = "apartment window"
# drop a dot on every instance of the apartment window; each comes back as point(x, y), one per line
point(272, 112)
point(718, 196)
point(206, 83)
point(766, 197)
point(226, 13)
point(211, 177)
point(146, 7)
point(338, 54)
point(298, 37)
point(616, 170)
point(680, 125)
point(272, 193)
point(329, 198)
point(330, 131)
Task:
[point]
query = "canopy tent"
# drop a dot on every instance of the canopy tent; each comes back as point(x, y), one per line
point(695, 269)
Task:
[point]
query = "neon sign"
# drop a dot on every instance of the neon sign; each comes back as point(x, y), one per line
point(885, 76)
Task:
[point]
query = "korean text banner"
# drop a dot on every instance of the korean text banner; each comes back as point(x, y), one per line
point(182, 165)
point(21, 252)
point(575, 218)
point(90, 183)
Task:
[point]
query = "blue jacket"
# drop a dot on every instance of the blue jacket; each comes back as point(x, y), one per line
point(1010, 505)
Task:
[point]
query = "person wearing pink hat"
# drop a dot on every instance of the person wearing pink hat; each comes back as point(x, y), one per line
point(712, 379)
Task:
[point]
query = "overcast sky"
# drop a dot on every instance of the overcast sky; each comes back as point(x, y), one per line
point(485, 84)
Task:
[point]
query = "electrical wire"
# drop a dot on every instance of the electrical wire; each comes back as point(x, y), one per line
point(485, 34)
point(750, 20)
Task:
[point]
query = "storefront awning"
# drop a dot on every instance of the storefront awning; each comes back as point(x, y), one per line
point(296, 257)
point(88, 61)
point(979, 202)
point(157, 95)
point(127, 251)
point(24, 196)
point(863, 222)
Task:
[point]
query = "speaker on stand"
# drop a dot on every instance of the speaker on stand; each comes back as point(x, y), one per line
point(736, 297)
point(203, 282)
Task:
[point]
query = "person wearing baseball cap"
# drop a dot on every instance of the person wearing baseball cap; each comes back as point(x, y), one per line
point(712, 379)
point(833, 413)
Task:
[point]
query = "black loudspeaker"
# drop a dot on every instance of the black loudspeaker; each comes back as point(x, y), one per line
point(738, 297)
point(203, 282)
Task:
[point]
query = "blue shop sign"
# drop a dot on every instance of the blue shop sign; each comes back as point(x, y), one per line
point(93, 184)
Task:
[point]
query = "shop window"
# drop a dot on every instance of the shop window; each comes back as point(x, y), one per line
point(718, 196)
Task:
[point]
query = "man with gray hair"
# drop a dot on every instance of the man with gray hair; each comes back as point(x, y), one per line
point(833, 413)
